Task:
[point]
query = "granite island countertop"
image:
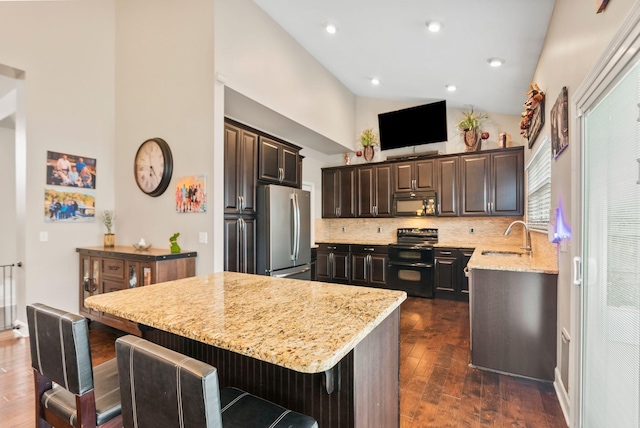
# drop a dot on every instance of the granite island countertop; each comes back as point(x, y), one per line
point(301, 325)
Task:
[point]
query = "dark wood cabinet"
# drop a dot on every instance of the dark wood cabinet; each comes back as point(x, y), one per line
point(415, 175)
point(447, 186)
point(450, 279)
point(492, 184)
point(278, 162)
point(338, 192)
point(107, 270)
point(374, 191)
point(333, 264)
point(240, 244)
point(240, 164)
point(369, 265)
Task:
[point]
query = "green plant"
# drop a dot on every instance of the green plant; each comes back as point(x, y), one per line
point(108, 218)
point(470, 121)
point(368, 138)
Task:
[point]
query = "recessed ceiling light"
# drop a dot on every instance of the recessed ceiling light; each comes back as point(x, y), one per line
point(375, 81)
point(331, 29)
point(451, 88)
point(495, 62)
point(434, 26)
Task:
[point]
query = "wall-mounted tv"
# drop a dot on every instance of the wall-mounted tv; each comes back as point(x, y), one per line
point(413, 126)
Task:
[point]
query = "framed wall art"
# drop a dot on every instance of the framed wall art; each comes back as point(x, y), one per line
point(64, 169)
point(560, 123)
point(69, 205)
point(191, 194)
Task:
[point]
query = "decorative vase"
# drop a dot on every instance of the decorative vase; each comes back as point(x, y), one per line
point(109, 240)
point(472, 141)
point(368, 153)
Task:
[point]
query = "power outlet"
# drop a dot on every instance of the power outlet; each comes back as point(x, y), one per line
point(203, 237)
point(472, 230)
point(44, 236)
point(344, 228)
point(379, 230)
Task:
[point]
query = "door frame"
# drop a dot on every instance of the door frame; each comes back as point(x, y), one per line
point(621, 54)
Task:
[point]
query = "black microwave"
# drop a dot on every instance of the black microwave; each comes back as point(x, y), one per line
point(414, 204)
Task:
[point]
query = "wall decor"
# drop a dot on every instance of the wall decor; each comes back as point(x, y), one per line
point(64, 169)
point(601, 5)
point(69, 206)
point(153, 166)
point(191, 194)
point(560, 123)
point(533, 114)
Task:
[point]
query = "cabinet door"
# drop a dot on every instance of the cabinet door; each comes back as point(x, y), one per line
point(269, 168)
point(340, 267)
point(378, 267)
point(403, 176)
point(365, 195)
point(232, 148)
point(247, 171)
point(464, 280)
point(289, 164)
point(383, 190)
point(330, 192)
point(240, 163)
point(447, 271)
point(474, 177)
point(360, 269)
point(231, 245)
point(447, 178)
point(323, 266)
point(507, 185)
point(425, 174)
point(347, 206)
point(89, 281)
point(248, 245)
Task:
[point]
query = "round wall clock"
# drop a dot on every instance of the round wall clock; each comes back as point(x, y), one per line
point(153, 166)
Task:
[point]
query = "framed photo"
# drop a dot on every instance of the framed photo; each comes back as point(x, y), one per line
point(537, 120)
point(191, 194)
point(64, 169)
point(69, 205)
point(560, 124)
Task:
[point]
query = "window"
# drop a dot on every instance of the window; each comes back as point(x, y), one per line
point(539, 187)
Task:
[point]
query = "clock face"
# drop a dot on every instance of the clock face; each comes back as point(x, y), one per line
point(153, 166)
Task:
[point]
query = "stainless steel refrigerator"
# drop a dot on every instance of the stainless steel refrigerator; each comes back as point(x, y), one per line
point(283, 232)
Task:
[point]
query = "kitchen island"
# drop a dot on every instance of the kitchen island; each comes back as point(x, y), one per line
point(326, 350)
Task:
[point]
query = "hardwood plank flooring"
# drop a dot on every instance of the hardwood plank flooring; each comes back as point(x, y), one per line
point(437, 386)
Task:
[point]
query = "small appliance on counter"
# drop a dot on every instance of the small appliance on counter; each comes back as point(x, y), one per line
point(283, 232)
point(411, 262)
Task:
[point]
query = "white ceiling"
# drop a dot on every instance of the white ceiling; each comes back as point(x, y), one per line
point(388, 40)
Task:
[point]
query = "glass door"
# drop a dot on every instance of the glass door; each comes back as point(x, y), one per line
point(611, 258)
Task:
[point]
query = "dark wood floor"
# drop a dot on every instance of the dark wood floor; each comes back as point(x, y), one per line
point(438, 388)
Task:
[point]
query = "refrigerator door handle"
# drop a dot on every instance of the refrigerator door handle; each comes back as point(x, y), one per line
point(288, 274)
point(294, 229)
point(298, 226)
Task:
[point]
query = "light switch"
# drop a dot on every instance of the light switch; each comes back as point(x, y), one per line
point(44, 236)
point(202, 237)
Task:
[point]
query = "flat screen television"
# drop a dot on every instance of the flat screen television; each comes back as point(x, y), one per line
point(413, 126)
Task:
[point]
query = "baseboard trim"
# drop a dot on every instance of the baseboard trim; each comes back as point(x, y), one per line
point(20, 328)
point(563, 397)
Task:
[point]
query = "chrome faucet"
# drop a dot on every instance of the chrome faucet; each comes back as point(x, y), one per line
point(527, 245)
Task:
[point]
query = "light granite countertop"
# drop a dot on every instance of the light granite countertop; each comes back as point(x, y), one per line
point(301, 325)
point(535, 263)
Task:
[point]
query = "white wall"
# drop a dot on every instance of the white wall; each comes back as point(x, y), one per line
point(165, 88)
point(66, 50)
point(8, 249)
point(576, 39)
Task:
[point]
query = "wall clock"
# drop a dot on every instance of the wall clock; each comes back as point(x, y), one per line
point(153, 166)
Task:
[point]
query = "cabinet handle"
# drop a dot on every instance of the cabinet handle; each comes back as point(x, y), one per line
point(445, 253)
point(280, 174)
point(369, 249)
point(339, 211)
point(114, 267)
point(239, 203)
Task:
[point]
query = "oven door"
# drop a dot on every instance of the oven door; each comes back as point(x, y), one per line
point(411, 254)
point(414, 278)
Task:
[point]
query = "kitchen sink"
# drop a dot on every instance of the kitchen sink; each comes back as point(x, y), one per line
point(502, 253)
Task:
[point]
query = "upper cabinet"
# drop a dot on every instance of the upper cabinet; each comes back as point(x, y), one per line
point(492, 184)
point(374, 184)
point(240, 160)
point(279, 163)
point(415, 175)
point(338, 192)
point(448, 184)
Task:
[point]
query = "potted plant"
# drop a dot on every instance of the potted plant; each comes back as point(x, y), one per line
point(108, 218)
point(368, 140)
point(469, 127)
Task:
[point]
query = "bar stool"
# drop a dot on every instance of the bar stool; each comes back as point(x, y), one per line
point(69, 392)
point(161, 387)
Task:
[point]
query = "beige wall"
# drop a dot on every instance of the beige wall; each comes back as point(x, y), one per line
point(66, 50)
point(8, 249)
point(575, 40)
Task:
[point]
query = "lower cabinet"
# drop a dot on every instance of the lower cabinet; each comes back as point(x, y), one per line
point(450, 280)
point(240, 244)
point(333, 263)
point(369, 265)
point(107, 270)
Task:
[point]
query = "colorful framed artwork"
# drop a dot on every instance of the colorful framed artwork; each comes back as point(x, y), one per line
point(560, 123)
point(64, 169)
point(191, 194)
point(69, 205)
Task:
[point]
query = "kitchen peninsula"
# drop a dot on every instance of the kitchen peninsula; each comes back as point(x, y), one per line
point(326, 350)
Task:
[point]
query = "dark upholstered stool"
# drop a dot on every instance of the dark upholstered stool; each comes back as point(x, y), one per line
point(164, 388)
point(69, 392)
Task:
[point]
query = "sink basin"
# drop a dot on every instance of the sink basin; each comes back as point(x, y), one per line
point(502, 253)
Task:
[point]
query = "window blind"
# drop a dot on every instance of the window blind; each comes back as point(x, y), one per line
point(539, 187)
